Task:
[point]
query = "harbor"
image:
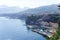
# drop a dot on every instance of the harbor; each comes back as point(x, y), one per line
point(44, 29)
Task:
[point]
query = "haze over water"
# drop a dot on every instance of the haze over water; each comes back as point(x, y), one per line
point(14, 29)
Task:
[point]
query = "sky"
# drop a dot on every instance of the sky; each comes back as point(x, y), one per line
point(28, 3)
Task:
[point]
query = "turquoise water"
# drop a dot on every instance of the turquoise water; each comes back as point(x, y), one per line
point(14, 29)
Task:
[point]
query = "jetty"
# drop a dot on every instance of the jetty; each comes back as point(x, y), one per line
point(43, 33)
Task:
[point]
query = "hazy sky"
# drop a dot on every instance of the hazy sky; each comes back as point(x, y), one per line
point(28, 3)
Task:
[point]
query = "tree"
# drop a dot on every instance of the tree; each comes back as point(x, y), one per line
point(59, 7)
point(59, 23)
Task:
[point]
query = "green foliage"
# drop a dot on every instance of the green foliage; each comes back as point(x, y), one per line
point(54, 17)
point(34, 17)
point(59, 22)
point(57, 34)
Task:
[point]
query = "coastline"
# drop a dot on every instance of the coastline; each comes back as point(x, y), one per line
point(46, 35)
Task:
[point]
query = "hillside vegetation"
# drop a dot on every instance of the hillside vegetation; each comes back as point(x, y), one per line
point(55, 18)
point(56, 36)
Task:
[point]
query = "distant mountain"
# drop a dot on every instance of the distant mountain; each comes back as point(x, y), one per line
point(23, 13)
point(50, 9)
point(6, 9)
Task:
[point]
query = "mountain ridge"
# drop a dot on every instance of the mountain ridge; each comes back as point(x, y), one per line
point(43, 10)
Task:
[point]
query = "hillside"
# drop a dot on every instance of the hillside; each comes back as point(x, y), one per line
point(50, 9)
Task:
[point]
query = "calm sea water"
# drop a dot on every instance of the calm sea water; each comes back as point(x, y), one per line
point(14, 29)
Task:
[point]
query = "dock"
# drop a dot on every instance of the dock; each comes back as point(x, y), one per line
point(43, 33)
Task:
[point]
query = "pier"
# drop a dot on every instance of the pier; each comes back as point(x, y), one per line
point(43, 33)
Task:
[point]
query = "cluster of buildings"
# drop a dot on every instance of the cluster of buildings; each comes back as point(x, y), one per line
point(47, 28)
